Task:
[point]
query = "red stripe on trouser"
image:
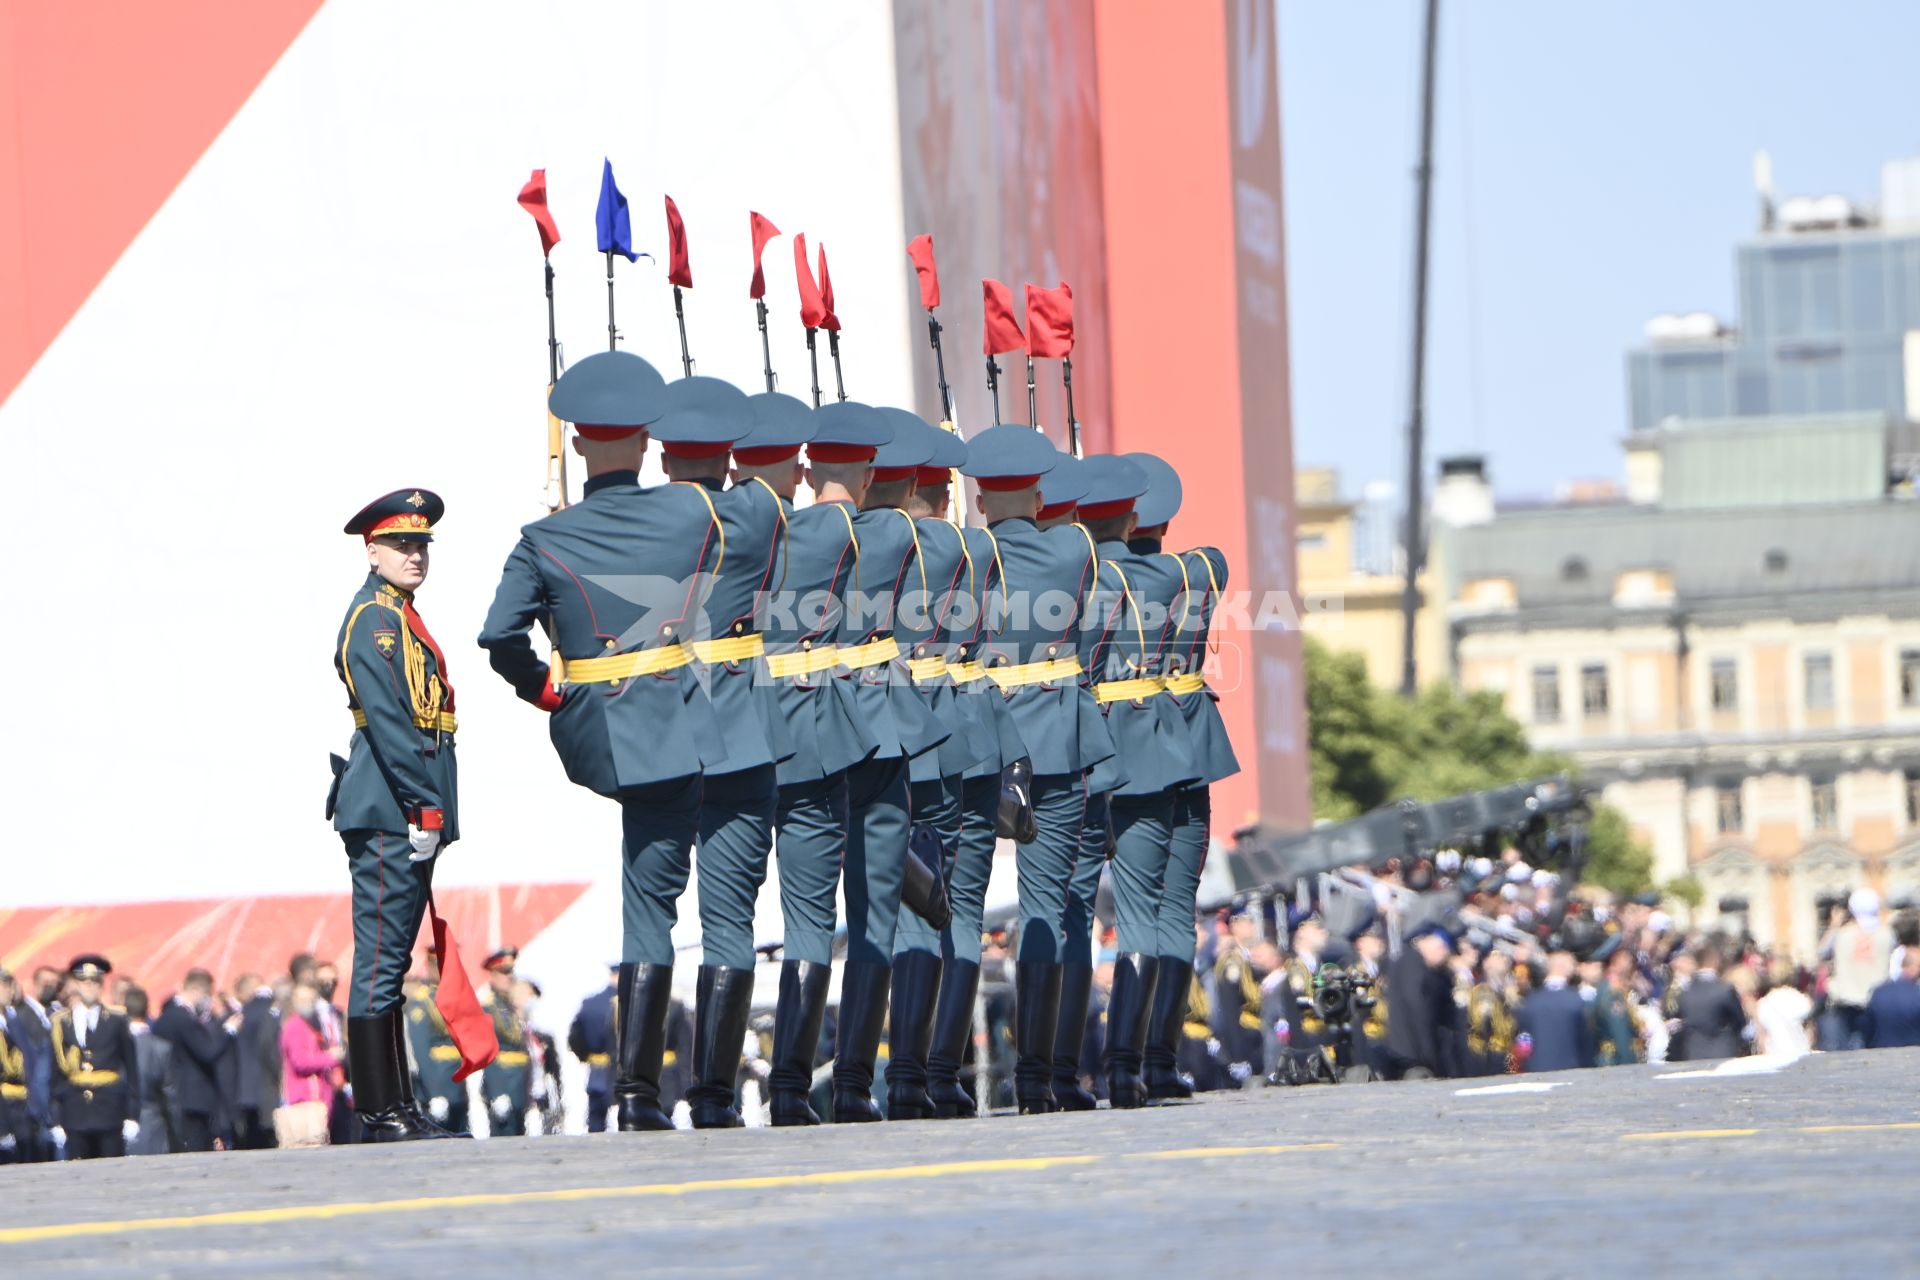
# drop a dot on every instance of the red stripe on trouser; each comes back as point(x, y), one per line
point(379, 920)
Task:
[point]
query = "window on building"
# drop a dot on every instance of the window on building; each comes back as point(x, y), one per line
point(1725, 677)
point(1910, 677)
point(1826, 805)
point(1546, 695)
point(1593, 689)
point(1913, 796)
point(1313, 539)
point(1819, 672)
point(1727, 817)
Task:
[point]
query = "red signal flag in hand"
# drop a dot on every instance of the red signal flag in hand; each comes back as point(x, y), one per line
point(763, 231)
point(920, 249)
point(679, 270)
point(812, 309)
point(1003, 326)
point(533, 198)
point(830, 320)
point(1049, 322)
point(467, 1023)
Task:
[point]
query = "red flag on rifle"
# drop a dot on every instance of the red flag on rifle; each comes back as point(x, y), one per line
point(1003, 326)
point(813, 310)
point(1049, 322)
point(920, 249)
point(533, 198)
point(830, 321)
point(467, 1022)
point(679, 270)
point(763, 231)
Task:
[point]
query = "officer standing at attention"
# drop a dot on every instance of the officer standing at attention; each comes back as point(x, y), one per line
point(96, 1087)
point(394, 800)
point(800, 622)
point(613, 580)
point(705, 417)
point(591, 1040)
point(1137, 594)
point(507, 1081)
point(1204, 573)
point(1035, 662)
point(997, 741)
point(935, 594)
point(879, 806)
point(435, 1055)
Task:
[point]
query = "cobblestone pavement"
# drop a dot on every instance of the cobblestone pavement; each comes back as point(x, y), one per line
point(1805, 1170)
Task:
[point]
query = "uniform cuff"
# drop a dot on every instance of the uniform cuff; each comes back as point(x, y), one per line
point(432, 820)
point(548, 699)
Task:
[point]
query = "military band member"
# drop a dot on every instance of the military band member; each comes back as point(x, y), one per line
point(1137, 594)
point(1034, 660)
point(936, 596)
point(435, 1057)
point(96, 1087)
point(997, 739)
point(506, 1083)
point(591, 1040)
point(1205, 577)
point(610, 579)
point(395, 801)
point(740, 793)
point(879, 804)
point(818, 557)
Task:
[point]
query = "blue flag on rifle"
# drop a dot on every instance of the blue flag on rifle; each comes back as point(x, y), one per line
point(616, 234)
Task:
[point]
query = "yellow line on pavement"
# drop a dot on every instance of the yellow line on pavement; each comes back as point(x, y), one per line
point(1860, 1128)
point(1671, 1134)
point(840, 1177)
point(1202, 1153)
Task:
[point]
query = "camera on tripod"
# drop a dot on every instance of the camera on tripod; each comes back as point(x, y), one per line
point(1341, 999)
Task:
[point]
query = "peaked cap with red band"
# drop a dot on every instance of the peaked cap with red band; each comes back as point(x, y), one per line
point(704, 417)
point(1009, 456)
point(404, 513)
point(848, 431)
point(914, 445)
point(1063, 487)
point(1114, 484)
point(609, 394)
point(781, 424)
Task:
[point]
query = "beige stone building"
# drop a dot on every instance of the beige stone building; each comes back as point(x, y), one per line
point(1739, 670)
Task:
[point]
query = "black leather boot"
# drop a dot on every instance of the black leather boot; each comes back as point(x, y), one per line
point(916, 993)
point(1036, 1018)
point(796, 1037)
point(1133, 977)
point(952, 1027)
point(1076, 993)
point(1163, 1078)
point(863, 1015)
point(376, 1083)
point(644, 992)
point(404, 1073)
point(722, 1002)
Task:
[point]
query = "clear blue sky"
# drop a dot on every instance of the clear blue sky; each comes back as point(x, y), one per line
point(1593, 168)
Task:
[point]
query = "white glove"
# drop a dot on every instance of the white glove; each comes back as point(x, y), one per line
point(425, 843)
point(129, 1129)
point(503, 1106)
point(59, 1136)
point(437, 1108)
point(8, 1142)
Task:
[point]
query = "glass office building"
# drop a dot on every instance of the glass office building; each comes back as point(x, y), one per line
point(1823, 320)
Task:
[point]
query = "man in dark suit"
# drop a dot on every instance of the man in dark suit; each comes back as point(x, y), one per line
point(591, 1039)
point(200, 1044)
point(1556, 1018)
point(256, 1064)
point(30, 1029)
point(1892, 1018)
point(158, 1103)
point(1711, 1017)
point(1420, 1008)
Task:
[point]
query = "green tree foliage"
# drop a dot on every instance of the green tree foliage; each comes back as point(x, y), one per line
point(1369, 747)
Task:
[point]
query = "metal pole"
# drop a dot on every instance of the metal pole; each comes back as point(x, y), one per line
point(613, 334)
point(1033, 398)
point(940, 367)
point(833, 346)
point(993, 385)
point(813, 356)
point(680, 315)
point(553, 340)
point(766, 349)
point(1073, 423)
point(1413, 538)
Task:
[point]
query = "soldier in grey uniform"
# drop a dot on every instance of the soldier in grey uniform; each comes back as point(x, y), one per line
point(1034, 660)
point(612, 579)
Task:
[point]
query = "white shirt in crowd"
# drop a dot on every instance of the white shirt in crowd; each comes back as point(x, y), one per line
point(1782, 1015)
